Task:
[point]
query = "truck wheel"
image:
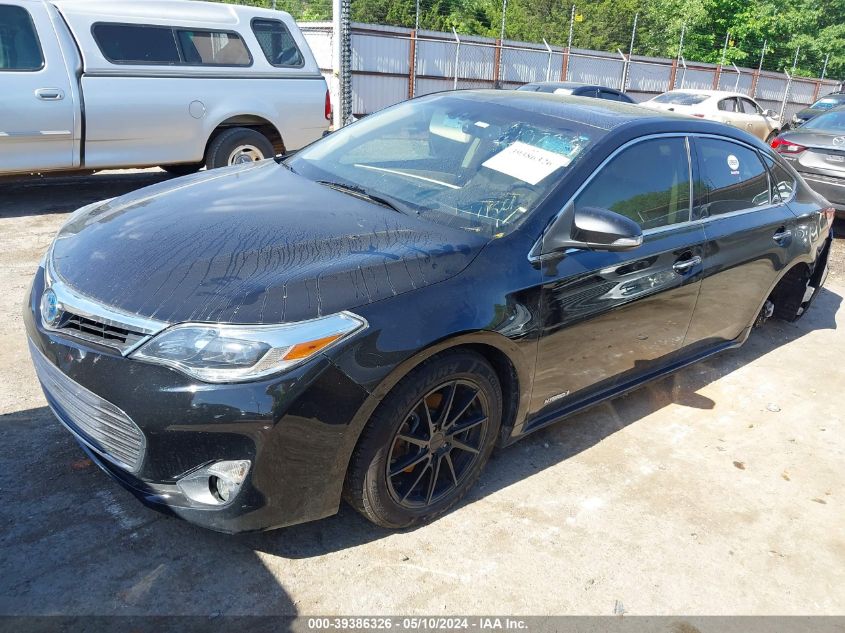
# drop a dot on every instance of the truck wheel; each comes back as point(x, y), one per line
point(236, 146)
point(182, 169)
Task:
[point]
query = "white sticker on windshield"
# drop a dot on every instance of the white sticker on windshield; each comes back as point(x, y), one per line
point(526, 162)
point(733, 162)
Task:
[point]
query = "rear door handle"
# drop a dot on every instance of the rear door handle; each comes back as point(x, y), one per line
point(782, 235)
point(686, 264)
point(50, 94)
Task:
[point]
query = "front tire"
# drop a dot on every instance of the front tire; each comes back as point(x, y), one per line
point(427, 442)
point(237, 145)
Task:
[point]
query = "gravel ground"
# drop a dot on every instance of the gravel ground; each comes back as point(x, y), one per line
point(718, 490)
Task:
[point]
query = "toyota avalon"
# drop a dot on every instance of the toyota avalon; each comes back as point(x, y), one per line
point(369, 318)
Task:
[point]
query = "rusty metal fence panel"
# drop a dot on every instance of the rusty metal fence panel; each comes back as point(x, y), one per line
point(390, 64)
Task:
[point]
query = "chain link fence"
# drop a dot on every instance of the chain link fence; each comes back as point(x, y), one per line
point(390, 64)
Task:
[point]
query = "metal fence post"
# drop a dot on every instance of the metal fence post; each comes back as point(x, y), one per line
point(684, 75)
point(564, 70)
point(785, 94)
point(738, 75)
point(412, 65)
point(497, 62)
point(673, 73)
point(549, 64)
point(457, 56)
point(718, 74)
point(624, 78)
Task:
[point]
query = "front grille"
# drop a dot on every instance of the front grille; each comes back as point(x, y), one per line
point(97, 422)
point(97, 331)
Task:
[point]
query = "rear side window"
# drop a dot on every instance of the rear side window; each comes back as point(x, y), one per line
point(278, 44)
point(729, 105)
point(783, 183)
point(19, 46)
point(733, 176)
point(648, 182)
point(164, 45)
point(213, 48)
point(137, 44)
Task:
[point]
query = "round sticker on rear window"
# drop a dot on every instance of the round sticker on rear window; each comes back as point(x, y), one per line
point(733, 162)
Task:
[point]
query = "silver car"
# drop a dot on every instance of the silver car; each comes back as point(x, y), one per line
point(99, 84)
point(730, 108)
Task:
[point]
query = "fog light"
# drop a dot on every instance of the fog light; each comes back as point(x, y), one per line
point(215, 484)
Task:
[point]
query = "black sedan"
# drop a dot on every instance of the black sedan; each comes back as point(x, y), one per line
point(575, 89)
point(826, 103)
point(817, 151)
point(369, 318)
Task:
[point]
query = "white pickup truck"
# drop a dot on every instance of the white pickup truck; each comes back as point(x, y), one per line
point(101, 84)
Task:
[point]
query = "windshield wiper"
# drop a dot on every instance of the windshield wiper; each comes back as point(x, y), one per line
point(360, 192)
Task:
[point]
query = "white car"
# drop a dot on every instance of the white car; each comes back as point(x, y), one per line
point(730, 108)
point(100, 84)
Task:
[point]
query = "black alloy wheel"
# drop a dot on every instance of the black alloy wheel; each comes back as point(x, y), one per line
point(437, 444)
point(427, 442)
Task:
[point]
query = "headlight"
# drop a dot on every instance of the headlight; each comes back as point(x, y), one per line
point(237, 353)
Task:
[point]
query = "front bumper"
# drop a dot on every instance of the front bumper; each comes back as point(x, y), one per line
point(294, 428)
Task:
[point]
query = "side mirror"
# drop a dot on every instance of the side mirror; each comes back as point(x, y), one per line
point(769, 113)
point(594, 228)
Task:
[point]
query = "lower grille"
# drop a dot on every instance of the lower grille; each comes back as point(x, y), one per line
point(97, 422)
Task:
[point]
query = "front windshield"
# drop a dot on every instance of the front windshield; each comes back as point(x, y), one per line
point(681, 98)
point(826, 103)
point(829, 121)
point(476, 165)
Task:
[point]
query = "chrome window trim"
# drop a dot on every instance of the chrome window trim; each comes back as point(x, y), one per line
point(79, 304)
point(534, 255)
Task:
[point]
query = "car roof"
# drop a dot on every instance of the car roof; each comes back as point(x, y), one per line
point(716, 94)
point(568, 84)
point(599, 113)
point(183, 10)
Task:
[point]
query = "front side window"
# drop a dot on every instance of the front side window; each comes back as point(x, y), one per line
point(749, 107)
point(733, 176)
point(278, 44)
point(213, 48)
point(482, 167)
point(19, 46)
point(648, 182)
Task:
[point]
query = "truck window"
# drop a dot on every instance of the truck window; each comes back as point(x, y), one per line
point(136, 44)
point(19, 46)
point(277, 43)
point(213, 48)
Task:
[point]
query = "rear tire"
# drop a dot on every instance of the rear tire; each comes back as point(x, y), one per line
point(459, 393)
point(182, 169)
point(237, 145)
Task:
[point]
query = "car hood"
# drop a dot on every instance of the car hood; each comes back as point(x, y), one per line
point(251, 244)
point(813, 138)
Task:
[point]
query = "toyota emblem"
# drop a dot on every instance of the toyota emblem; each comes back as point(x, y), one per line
point(51, 309)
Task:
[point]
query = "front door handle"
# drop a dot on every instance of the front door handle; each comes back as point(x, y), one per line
point(685, 265)
point(50, 94)
point(782, 236)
